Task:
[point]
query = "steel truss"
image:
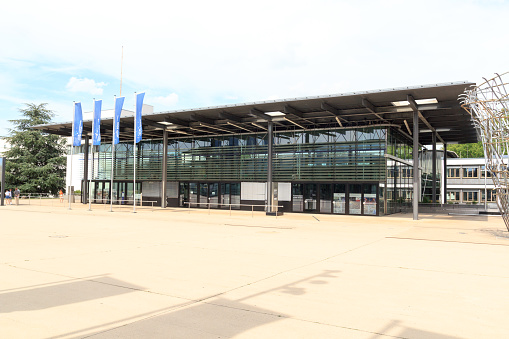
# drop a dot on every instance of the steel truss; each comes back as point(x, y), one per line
point(488, 103)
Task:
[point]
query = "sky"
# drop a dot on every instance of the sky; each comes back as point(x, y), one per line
point(190, 54)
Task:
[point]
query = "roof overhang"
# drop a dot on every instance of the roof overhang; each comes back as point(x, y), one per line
point(438, 106)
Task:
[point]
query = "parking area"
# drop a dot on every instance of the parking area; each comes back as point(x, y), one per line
point(180, 273)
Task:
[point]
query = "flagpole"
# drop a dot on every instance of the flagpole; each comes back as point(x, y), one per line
point(92, 152)
point(134, 159)
point(72, 154)
point(90, 180)
point(113, 151)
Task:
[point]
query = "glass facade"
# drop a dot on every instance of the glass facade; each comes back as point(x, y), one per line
point(340, 171)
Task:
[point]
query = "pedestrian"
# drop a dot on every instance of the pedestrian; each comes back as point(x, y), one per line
point(16, 196)
point(61, 195)
point(8, 197)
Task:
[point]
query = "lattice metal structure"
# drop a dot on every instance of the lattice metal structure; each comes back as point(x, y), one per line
point(488, 103)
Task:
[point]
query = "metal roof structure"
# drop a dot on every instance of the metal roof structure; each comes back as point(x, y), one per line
point(438, 106)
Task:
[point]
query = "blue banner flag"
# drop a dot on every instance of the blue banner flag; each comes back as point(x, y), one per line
point(139, 106)
point(77, 126)
point(96, 139)
point(119, 102)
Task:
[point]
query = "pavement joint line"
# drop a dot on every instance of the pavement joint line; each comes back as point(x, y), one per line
point(105, 283)
point(280, 228)
point(453, 241)
point(303, 320)
point(97, 252)
point(428, 270)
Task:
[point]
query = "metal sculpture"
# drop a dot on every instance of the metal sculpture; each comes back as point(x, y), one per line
point(488, 104)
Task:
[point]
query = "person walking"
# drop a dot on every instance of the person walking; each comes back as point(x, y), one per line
point(61, 195)
point(16, 196)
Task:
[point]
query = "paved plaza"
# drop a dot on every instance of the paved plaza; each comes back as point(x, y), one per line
point(180, 273)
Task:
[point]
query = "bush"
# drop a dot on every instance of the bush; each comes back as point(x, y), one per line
point(77, 192)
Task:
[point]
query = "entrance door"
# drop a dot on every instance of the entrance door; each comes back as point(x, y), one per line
point(203, 197)
point(355, 199)
point(225, 195)
point(184, 194)
point(325, 198)
point(370, 201)
point(193, 194)
point(214, 195)
point(339, 199)
point(235, 195)
point(297, 198)
point(310, 197)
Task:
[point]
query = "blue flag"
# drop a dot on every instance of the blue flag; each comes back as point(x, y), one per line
point(77, 124)
point(139, 106)
point(119, 102)
point(96, 139)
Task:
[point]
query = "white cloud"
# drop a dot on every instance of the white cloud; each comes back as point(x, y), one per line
point(167, 101)
point(85, 85)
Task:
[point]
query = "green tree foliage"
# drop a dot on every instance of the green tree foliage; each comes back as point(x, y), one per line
point(35, 162)
point(474, 150)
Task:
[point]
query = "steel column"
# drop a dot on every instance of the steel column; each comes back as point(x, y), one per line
point(415, 200)
point(164, 169)
point(269, 165)
point(434, 169)
point(445, 174)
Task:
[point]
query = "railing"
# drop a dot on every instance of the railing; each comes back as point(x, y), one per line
point(230, 206)
point(121, 202)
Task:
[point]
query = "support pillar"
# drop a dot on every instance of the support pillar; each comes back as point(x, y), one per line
point(164, 168)
point(415, 200)
point(269, 166)
point(445, 174)
point(84, 192)
point(434, 169)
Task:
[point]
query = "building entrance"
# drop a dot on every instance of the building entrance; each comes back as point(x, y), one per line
point(335, 198)
point(215, 194)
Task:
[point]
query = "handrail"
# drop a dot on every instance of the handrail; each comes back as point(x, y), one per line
point(223, 204)
point(124, 200)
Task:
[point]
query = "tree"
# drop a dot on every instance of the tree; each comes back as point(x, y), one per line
point(474, 150)
point(35, 161)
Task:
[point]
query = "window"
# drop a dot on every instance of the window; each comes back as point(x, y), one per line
point(485, 173)
point(453, 172)
point(453, 196)
point(470, 196)
point(492, 195)
point(470, 172)
point(407, 172)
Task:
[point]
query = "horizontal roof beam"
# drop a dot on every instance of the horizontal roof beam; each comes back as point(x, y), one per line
point(259, 114)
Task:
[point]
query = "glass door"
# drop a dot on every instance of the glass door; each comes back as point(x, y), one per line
point(214, 195)
point(235, 195)
point(297, 198)
point(339, 199)
point(370, 201)
point(325, 198)
point(203, 197)
point(355, 198)
point(193, 194)
point(310, 194)
point(106, 194)
point(184, 194)
point(225, 195)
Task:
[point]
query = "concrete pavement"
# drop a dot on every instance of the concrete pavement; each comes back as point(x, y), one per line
point(177, 274)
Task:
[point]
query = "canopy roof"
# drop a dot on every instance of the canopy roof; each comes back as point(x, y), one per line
point(438, 106)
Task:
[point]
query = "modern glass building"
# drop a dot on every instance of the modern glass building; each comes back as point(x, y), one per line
point(354, 153)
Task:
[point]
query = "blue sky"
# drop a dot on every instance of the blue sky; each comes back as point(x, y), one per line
point(205, 53)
